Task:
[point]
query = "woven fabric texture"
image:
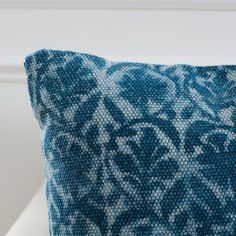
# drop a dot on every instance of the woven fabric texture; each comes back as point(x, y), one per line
point(133, 149)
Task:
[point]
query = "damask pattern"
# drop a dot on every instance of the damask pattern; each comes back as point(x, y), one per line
point(134, 149)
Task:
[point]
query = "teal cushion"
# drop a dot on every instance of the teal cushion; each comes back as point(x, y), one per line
point(133, 149)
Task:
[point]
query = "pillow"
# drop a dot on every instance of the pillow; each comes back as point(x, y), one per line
point(135, 149)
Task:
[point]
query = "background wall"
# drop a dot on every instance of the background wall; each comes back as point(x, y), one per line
point(20, 162)
point(157, 36)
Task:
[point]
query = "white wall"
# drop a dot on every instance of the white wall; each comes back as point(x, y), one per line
point(20, 161)
point(196, 37)
point(153, 36)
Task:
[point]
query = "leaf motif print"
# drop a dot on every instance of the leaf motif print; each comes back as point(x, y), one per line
point(88, 109)
point(164, 125)
point(126, 163)
point(194, 132)
point(95, 214)
point(207, 196)
point(91, 135)
point(132, 216)
point(139, 168)
point(134, 149)
point(165, 169)
point(212, 92)
point(225, 160)
point(136, 89)
point(172, 199)
point(200, 215)
point(115, 112)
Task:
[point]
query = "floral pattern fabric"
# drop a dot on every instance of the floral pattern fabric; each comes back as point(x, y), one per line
point(134, 149)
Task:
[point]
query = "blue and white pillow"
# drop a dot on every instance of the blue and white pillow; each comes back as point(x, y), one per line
point(134, 149)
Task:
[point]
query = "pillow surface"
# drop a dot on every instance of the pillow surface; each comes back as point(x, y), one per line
point(133, 149)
